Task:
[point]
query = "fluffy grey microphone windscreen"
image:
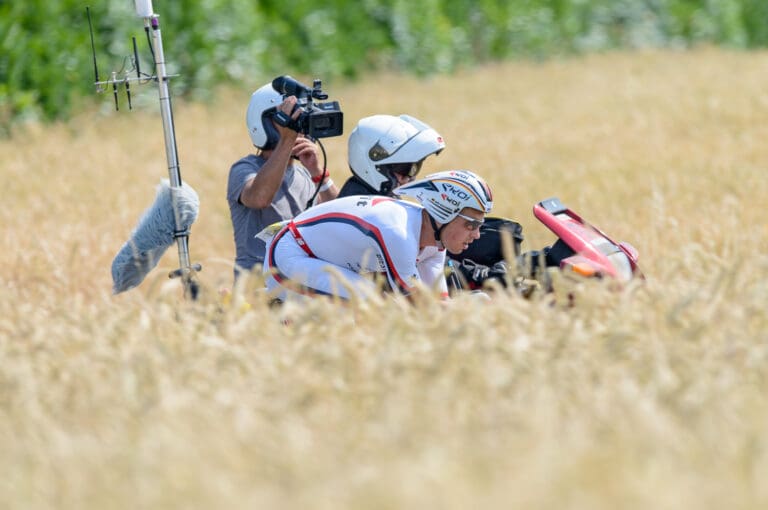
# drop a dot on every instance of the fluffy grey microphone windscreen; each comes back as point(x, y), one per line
point(154, 234)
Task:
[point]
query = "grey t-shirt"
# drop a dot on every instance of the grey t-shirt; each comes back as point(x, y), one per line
point(291, 199)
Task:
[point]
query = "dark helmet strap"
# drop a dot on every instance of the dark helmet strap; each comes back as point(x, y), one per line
point(269, 129)
point(390, 181)
point(437, 230)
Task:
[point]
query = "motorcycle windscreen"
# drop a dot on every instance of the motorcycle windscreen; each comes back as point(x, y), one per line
point(596, 254)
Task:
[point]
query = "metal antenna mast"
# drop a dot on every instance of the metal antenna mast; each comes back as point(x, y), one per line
point(151, 21)
point(186, 270)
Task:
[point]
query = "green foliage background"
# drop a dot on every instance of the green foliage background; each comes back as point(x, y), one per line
point(46, 67)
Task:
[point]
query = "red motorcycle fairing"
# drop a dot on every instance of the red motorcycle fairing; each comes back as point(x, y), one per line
point(595, 254)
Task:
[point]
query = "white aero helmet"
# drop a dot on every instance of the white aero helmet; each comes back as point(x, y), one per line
point(258, 119)
point(382, 144)
point(445, 194)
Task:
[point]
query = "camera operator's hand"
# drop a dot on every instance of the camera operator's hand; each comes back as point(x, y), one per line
point(288, 109)
point(305, 150)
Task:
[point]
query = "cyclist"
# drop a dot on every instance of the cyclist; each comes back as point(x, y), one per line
point(332, 248)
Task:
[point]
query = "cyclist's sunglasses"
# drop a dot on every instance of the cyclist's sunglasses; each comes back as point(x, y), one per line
point(471, 223)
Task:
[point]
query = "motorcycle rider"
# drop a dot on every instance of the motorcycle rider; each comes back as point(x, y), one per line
point(387, 151)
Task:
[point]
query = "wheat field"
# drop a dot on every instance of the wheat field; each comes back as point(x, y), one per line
point(654, 396)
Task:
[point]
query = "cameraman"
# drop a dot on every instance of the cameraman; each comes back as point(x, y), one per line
point(278, 182)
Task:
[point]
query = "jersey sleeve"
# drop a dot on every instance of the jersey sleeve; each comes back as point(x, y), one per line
point(432, 272)
point(397, 246)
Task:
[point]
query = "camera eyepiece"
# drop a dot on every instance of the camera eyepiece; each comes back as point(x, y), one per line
point(288, 86)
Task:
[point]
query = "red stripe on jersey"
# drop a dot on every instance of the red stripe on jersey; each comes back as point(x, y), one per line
point(365, 227)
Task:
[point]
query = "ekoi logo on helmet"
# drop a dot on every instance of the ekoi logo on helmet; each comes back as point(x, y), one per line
point(451, 200)
point(456, 189)
point(445, 194)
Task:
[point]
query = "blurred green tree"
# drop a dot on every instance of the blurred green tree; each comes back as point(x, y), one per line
point(46, 67)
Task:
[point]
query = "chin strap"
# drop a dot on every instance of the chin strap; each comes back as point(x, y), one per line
point(386, 187)
point(437, 230)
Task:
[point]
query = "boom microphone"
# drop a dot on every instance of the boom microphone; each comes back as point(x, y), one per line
point(157, 229)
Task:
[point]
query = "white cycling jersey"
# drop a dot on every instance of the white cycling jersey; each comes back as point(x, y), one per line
point(350, 237)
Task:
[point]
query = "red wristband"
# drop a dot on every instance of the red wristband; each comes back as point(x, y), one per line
point(319, 178)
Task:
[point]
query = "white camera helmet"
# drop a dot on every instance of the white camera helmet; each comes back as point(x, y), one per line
point(258, 119)
point(383, 144)
point(445, 194)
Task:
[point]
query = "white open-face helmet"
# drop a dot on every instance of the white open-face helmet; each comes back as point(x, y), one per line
point(382, 145)
point(258, 117)
point(445, 194)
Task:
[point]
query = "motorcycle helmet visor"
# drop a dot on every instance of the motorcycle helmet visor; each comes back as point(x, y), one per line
point(409, 170)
